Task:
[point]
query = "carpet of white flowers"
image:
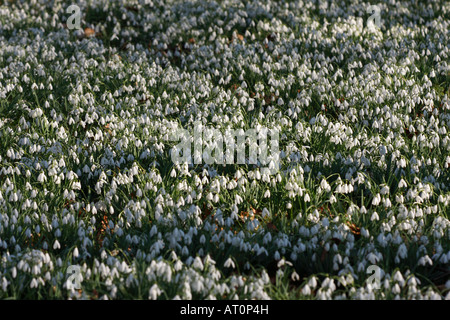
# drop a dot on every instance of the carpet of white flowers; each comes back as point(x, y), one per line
point(87, 179)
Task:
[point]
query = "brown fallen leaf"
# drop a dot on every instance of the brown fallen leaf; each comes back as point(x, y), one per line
point(240, 37)
point(353, 228)
point(101, 233)
point(88, 32)
point(270, 225)
point(94, 295)
point(244, 215)
point(256, 211)
point(206, 212)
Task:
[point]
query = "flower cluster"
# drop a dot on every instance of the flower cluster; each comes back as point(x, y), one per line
point(362, 117)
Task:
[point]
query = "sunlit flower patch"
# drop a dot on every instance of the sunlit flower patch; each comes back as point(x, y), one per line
point(224, 150)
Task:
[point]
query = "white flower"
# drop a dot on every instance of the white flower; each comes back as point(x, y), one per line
point(402, 184)
point(75, 252)
point(198, 264)
point(399, 278)
point(312, 282)
point(374, 216)
point(276, 256)
point(333, 199)
point(33, 284)
point(372, 258)
point(229, 263)
point(402, 251)
point(423, 261)
point(376, 200)
point(396, 289)
point(154, 292)
point(265, 213)
point(295, 276)
point(307, 198)
point(306, 290)
point(41, 178)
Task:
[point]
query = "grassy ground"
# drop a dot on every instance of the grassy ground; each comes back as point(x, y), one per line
point(87, 178)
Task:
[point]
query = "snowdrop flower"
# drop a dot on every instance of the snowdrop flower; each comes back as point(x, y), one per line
point(103, 130)
point(198, 264)
point(402, 251)
point(75, 252)
point(312, 282)
point(374, 216)
point(154, 292)
point(277, 255)
point(384, 190)
point(396, 289)
point(376, 200)
point(229, 263)
point(306, 290)
point(34, 284)
point(265, 213)
point(42, 178)
point(333, 199)
point(423, 261)
point(402, 184)
point(399, 278)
